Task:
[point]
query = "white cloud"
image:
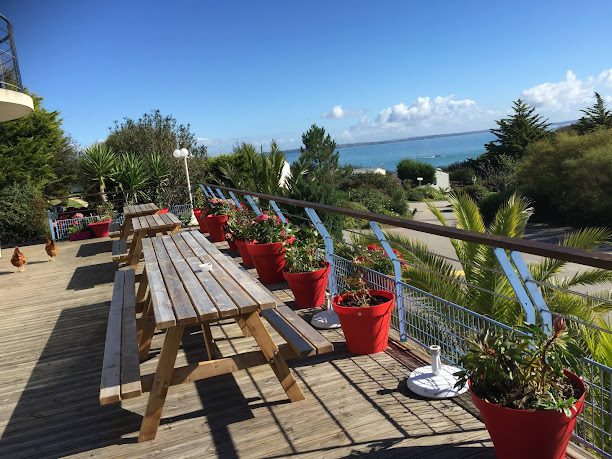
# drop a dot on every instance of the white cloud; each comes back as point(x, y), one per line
point(569, 94)
point(338, 112)
point(423, 116)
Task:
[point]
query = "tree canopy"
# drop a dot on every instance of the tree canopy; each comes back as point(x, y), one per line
point(35, 149)
point(515, 133)
point(153, 133)
point(595, 117)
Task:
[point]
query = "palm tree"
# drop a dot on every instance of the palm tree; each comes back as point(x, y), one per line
point(132, 176)
point(98, 165)
point(482, 287)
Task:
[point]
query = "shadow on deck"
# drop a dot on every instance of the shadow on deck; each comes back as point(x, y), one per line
point(53, 323)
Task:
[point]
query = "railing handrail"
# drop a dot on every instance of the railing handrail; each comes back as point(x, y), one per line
point(594, 259)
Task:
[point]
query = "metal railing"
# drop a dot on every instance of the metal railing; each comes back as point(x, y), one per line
point(10, 77)
point(426, 318)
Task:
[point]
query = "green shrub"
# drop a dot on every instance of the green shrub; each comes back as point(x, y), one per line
point(477, 191)
point(409, 169)
point(490, 202)
point(423, 193)
point(377, 192)
point(462, 175)
point(22, 214)
point(570, 178)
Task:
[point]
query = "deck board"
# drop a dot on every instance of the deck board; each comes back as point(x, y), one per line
point(52, 332)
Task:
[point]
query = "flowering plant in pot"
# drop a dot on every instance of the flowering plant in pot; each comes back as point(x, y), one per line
point(365, 313)
point(217, 217)
point(305, 271)
point(78, 231)
point(525, 386)
point(240, 231)
point(104, 219)
point(267, 248)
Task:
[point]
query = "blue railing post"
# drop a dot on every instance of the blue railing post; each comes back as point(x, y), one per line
point(329, 248)
point(238, 203)
point(205, 191)
point(50, 220)
point(278, 211)
point(397, 271)
point(220, 193)
point(251, 202)
point(517, 286)
point(533, 290)
point(212, 193)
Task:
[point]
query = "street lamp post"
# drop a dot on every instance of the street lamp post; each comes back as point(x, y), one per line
point(184, 153)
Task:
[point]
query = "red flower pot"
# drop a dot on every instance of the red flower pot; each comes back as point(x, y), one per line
point(232, 244)
point(529, 434)
point(79, 236)
point(366, 330)
point(100, 229)
point(308, 288)
point(269, 260)
point(216, 227)
point(200, 215)
point(247, 261)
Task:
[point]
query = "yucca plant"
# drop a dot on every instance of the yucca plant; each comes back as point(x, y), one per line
point(132, 177)
point(98, 164)
point(158, 174)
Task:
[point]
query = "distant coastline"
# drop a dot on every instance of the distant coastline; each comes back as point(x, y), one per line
point(556, 125)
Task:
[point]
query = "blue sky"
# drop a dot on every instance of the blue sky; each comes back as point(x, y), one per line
point(260, 70)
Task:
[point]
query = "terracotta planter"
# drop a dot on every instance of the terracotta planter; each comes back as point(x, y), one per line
point(216, 227)
point(79, 236)
point(247, 261)
point(100, 229)
point(200, 215)
point(529, 434)
point(366, 330)
point(269, 260)
point(308, 288)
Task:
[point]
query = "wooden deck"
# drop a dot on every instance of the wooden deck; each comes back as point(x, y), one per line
point(52, 329)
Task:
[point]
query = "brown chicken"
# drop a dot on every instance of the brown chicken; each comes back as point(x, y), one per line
point(18, 260)
point(51, 249)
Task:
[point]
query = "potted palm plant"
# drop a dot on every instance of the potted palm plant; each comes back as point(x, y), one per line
point(267, 249)
point(104, 219)
point(217, 218)
point(525, 386)
point(365, 313)
point(305, 271)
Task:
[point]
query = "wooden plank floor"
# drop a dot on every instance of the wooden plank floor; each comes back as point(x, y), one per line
point(52, 326)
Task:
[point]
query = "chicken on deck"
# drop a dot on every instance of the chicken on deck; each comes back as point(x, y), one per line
point(18, 260)
point(51, 249)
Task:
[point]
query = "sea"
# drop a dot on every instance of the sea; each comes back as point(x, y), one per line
point(437, 151)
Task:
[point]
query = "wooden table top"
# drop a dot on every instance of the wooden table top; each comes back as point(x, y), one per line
point(157, 222)
point(182, 293)
point(136, 210)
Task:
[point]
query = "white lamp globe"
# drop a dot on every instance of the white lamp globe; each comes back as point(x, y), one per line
point(176, 153)
point(184, 152)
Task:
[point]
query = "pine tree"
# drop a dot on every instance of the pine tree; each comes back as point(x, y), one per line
point(595, 117)
point(318, 155)
point(516, 132)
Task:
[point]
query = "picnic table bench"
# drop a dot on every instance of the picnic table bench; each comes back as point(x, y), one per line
point(120, 247)
point(177, 291)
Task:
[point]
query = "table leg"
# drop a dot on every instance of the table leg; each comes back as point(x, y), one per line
point(161, 381)
point(209, 342)
point(243, 326)
point(142, 291)
point(127, 225)
point(146, 331)
point(274, 357)
point(136, 249)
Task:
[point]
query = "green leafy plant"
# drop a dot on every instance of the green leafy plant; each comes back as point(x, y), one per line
point(98, 165)
point(105, 211)
point(199, 201)
point(268, 228)
point(132, 175)
point(77, 227)
point(240, 225)
point(523, 368)
point(303, 254)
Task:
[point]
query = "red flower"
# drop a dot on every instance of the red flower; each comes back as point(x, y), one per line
point(374, 248)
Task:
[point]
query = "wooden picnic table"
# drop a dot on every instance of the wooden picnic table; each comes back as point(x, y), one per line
point(176, 291)
point(150, 225)
point(135, 210)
